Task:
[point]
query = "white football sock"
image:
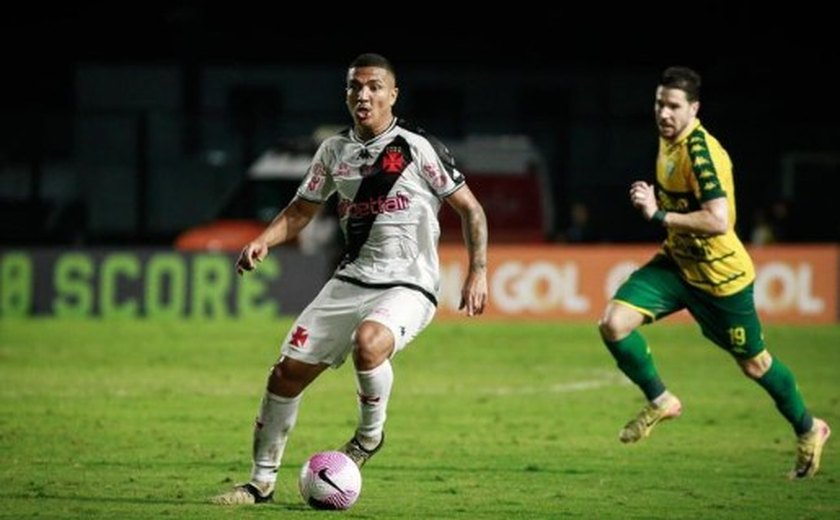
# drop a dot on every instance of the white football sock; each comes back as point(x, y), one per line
point(374, 391)
point(276, 419)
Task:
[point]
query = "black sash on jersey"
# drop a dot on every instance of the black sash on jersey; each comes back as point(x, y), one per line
point(378, 181)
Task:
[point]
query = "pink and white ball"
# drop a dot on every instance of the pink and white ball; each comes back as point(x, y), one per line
point(330, 480)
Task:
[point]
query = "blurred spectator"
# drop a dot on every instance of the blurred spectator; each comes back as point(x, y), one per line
point(770, 226)
point(780, 221)
point(762, 232)
point(580, 228)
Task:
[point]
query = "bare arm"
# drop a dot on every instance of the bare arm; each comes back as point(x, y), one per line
point(474, 229)
point(711, 219)
point(285, 226)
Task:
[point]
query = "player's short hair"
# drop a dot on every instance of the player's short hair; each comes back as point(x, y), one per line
point(370, 59)
point(683, 78)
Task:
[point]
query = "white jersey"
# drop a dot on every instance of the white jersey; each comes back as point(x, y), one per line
point(389, 193)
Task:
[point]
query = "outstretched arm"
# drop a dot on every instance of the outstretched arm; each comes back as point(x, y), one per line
point(285, 226)
point(474, 228)
point(711, 219)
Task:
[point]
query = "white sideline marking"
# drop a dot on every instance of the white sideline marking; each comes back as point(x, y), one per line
point(606, 379)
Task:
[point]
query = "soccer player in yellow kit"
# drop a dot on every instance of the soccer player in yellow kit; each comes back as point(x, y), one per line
point(702, 267)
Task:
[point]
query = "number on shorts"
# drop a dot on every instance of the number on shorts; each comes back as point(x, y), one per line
point(737, 336)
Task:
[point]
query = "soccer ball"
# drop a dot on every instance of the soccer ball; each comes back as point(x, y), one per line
point(330, 480)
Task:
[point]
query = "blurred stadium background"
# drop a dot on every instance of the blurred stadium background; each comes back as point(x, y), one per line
point(141, 143)
point(154, 126)
point(130, 123)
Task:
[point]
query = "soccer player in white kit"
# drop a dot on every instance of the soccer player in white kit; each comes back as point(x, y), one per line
point(390, 179)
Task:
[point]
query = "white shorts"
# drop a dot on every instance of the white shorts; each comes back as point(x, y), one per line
point(323, 333)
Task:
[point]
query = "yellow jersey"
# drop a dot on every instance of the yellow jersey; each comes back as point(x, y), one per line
point(690, 171)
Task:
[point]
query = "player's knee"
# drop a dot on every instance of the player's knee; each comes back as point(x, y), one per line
point(372, 344)
point(606, 329)
point(757, 366)
point(282, 381)
point(612, 327)
point(618, 321)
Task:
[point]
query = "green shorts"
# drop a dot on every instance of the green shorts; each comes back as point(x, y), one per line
point(657, 290)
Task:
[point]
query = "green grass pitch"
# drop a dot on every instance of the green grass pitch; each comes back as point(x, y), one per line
point(147, 419)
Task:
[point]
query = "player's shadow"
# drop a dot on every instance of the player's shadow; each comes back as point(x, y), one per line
point(139, 500)
point(528, 468)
